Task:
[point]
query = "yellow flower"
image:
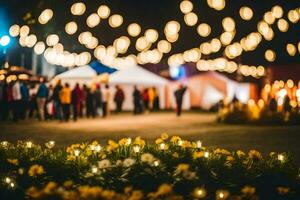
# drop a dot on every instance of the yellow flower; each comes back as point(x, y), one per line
point(229, 158)
point(136, 195)
point(186, 144)
point(175, 155)
point(33, 192)
point(182, 167)
point(248, 190)
point(283, 190)
point(198, 154)
point(222, 194)
point(139, 141)
point(13, 161)
point(175, 139)
point(68, 184)
point(112, 145)
point(164, 136)
point(240, 153)
point(50, 187)
point(35, 170)
point(255, 154)
point(158, 141)
point(164, 189)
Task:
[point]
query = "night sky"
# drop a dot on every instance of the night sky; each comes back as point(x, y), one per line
point(153, 14)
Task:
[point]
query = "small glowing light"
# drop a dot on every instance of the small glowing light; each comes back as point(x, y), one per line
point(180, 142)
point(39, 48)
point(277, 11)
point(93, 20)
point(216, 4)
point(128, 141)
point(228, 24)
point(186, 6)
point(12, 185)
point(94, 170)
point(76, 152)
point(151, 35)
point(115, 21)
point(270, 55)
point(172, 28)
point(190, 19)
point(280, 157)
point(246, 13)
point(7, 180)
point(206, 154)
point(14, 30)
point(200, 193)
point(4, 143)
point(97, 148)
point(29, 144)
point(103, 11)
point(291, 49)
point(45, 16)
point(162, 146)
point(199, 144)
point(134, 29)
point(156, 163)
point(4, 40)
point(52, 40)
point(283, 25)
point(30, 40)
point(164, 46)
point(71, 28)
point(204, 30)
point(24, 31)
point(136, 149)
point(269, 18)
point(78, 8)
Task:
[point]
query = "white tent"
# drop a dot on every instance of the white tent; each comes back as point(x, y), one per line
point(142, 78)
point(82, 75)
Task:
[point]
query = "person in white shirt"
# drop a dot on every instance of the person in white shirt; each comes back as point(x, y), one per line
point(17, 97)
point(105, 101)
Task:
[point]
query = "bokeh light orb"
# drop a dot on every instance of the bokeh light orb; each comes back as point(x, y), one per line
point(172, 28)
point(190, 19)
point(204, 30)
point(277, 11)
point(164, 46)
point(246, 13)
point(293, 16)
point(93, 20)
point(270, 55)
point(24, 31)
point(291, 49)
point(283, 25)
point(115, 20)
point(151, 35)
point(186, 6)
point(52, 40)
point(103, 11)
point(14, 30)
point(30, 40)
point(4, 40)
point(228, 24)
point(78, 8)
point(45, 16)
point(142, 44)
point(134, 29)
point(269, 17)
point(216, 4)
point(39, 48)
point(71, 28)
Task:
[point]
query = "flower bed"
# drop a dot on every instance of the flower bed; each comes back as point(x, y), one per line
point(172, 168)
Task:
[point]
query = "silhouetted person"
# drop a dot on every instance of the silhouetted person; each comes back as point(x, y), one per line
point(179, 97)
point(42, 95)
point(156, 100)
point(146, 99)
point(137, 101)
point(98, 100)
point(287, 108)
point(273, 105)
point(119, 99)
point(76, 101)
point(25, 100)
point(56, 100)
point(105, 100)
point(17, 100)
point(90, 103)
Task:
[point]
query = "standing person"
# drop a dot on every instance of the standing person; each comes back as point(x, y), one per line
point(25, 100)
point(105, 100)
point(65, 99)
point(146, 99)
point(151, 95)
point(137, 101)
point(156, 100)
point(41, 98)
point(98, 100)
point(56, 100)
point(49, 103)
point(90, 103)
point(76, 101)
point(17, 99)
point(83, 109)
point(179, 97)
point(119, 98)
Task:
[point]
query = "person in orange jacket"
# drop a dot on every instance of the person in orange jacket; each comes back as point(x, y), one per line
point(65, 99)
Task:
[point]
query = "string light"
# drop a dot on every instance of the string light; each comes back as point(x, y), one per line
point(103, 11)
point(14, 30)
point(134, 29)
point(115, 20)
point(78, 8)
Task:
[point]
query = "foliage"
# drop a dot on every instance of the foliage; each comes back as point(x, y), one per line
point(172, 168)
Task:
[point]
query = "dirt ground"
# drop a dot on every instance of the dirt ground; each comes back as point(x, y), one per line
point(193, 126)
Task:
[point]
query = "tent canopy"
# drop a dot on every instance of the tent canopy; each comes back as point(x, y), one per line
point(81, 72)
point(136, 75)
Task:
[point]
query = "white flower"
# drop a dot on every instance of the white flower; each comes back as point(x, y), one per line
point(119, 163)
point(104, 164)
point(147, 157)
point(128, 162)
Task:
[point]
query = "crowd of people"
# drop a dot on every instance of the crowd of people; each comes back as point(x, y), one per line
point(20, 100)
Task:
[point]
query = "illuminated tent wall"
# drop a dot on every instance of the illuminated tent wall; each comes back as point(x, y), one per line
point(205, 90)
point(136, 75)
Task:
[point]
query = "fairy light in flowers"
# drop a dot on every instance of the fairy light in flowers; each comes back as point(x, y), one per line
point(94, 170)
point(4, 143)
point(198, 144)
point(136, 149)
point(76, 152)
point(180, 142)
point(156, 163)
point(97, 148)
point(128, 141)
point(206, 154)
point(221, 195)
point(162, 146)
point(7, 180)
point(200, 193)
point(281, 157)
point(29, 144)
point(50, 144)
point(92, 147)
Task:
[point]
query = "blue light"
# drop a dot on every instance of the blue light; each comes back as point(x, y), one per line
point(177, 72)
point(4, 40)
